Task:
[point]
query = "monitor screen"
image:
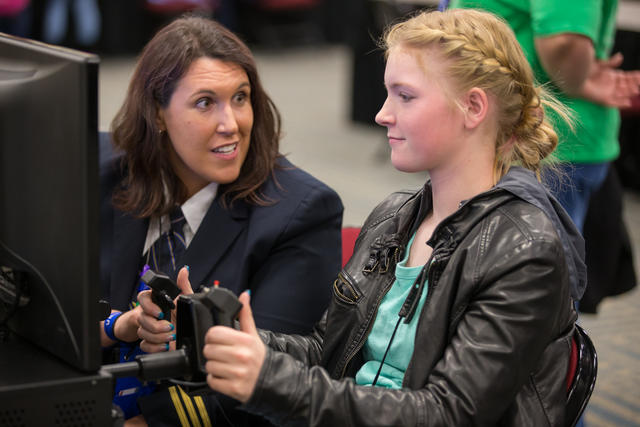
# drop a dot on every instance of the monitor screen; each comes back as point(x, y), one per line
point(49, 190)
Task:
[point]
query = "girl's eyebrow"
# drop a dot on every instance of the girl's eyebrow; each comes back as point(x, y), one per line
point(397, 85)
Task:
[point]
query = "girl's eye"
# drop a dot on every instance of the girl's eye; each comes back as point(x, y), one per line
point(203, 103)
point(404, 97)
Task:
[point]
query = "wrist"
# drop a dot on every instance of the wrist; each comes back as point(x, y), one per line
point(127, 327)
point(110, 323)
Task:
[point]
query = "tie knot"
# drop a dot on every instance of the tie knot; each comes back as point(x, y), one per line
point(177, 221)
point(176, 215)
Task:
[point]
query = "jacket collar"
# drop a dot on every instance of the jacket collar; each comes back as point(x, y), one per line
point(457, 225)
point(219, 228)
point(521, 183)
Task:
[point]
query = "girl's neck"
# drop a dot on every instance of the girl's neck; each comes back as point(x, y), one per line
point(451, 188)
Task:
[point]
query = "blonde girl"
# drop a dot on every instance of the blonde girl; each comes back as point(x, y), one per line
point(456, 307)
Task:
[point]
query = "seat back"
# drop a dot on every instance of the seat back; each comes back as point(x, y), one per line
point(583, 378)
point(349, 236)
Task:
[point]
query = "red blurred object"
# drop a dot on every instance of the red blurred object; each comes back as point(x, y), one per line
point(349, 236)
point(573, 363)
point(634, 109)
point(12, 7)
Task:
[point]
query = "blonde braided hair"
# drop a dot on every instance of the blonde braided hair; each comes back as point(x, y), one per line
point(480, 50)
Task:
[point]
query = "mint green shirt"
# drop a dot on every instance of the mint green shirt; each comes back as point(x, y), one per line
point(596, 132)
point(401, 349)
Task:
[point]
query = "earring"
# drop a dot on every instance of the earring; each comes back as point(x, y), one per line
point(161, 131)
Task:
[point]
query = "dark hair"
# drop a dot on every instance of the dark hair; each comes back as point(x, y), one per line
point(162, 63)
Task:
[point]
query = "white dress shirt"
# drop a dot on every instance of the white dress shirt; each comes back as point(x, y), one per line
point(194, 210)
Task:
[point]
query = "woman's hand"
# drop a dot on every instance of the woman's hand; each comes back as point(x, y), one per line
point(235, 358)
point(159, 334)
point(125, 328)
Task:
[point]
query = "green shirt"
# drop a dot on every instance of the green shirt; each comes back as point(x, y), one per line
point(596, 132)
point(401, 349)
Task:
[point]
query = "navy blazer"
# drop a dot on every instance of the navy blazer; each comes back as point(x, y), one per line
point(287, 253)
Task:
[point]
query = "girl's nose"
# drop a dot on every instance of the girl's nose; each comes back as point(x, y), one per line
point(384, 118)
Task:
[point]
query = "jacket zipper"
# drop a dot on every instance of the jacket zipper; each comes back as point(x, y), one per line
point(431, 285)
point(346, 282)
point(431, 261)
point(366, 334)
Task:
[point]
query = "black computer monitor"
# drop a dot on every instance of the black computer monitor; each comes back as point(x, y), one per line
point(49, 207)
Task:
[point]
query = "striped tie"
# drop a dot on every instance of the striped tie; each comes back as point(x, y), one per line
point(166, 252)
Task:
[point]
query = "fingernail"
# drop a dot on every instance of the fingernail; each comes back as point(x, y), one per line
point(166, 347)
point(171, 327)
point(173, 337)
point(187, 267)
point(249, 292)
point(160, 316)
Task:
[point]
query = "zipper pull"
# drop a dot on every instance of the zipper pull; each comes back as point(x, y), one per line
point(384, 260)
point(372, 262)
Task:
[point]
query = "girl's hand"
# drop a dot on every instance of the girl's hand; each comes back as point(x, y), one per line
point(235, 358)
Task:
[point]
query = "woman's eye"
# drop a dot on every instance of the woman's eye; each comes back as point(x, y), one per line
point(404, 97)
point(240, 97)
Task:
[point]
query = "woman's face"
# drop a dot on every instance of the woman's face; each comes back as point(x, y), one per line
point(208, 122)
point(423, 123)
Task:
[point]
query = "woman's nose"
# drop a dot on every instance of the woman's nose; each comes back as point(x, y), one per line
point(227, 122)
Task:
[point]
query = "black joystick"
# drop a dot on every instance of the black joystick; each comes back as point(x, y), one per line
point(163, 291)
point(197, 313)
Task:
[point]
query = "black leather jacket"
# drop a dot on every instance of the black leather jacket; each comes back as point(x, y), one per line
point(493, 338)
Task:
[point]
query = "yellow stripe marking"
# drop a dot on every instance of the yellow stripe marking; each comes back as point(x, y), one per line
point(203, 411)
point(190, 409)
point(177, 403)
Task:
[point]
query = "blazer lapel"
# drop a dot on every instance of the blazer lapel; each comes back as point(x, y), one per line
point(128, 242)
point(216, 233)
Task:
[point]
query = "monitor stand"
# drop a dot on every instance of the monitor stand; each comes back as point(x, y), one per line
point(38, 389)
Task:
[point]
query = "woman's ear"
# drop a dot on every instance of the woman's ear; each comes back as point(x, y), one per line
point(160, 120)
point(476, 103)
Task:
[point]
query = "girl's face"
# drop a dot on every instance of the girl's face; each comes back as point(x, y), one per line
point(208, 121)
point(423, 123)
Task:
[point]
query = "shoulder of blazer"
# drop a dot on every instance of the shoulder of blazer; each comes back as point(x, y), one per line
point(289, 182)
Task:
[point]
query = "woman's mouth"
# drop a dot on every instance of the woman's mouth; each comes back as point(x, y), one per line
point(226, 149)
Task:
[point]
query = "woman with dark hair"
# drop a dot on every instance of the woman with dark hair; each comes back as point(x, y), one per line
point(198, 181)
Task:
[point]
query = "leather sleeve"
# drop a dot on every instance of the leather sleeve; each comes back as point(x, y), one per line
point(499, 338)
point(307, 349)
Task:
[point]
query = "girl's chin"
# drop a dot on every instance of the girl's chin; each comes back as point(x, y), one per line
point(404, 166)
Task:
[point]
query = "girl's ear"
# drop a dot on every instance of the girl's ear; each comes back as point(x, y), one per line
point(476, 103)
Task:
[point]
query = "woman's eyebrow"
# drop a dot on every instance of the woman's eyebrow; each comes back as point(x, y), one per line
point(213, 93)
